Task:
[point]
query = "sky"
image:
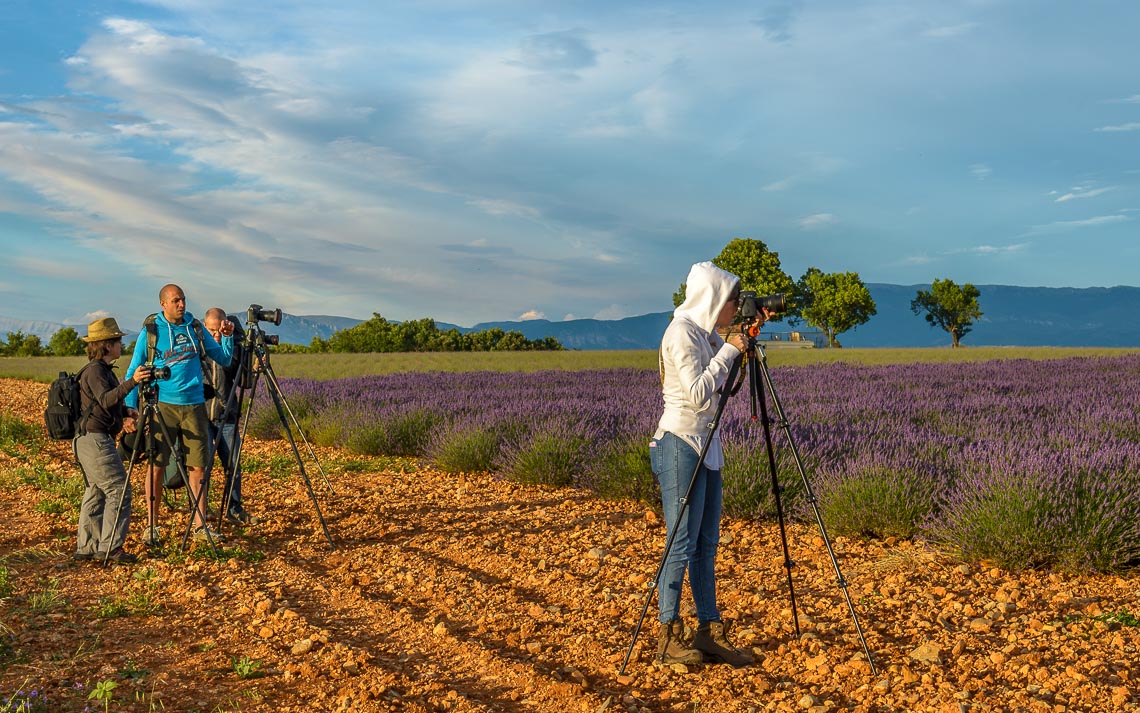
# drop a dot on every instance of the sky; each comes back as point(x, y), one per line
point(488, 160)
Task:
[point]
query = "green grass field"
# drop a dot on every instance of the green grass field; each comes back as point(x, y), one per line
point(335, 366)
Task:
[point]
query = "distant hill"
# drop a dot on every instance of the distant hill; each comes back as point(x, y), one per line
point(1012, 316)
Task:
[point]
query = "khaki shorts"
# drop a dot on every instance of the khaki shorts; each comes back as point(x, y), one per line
point(191, 424)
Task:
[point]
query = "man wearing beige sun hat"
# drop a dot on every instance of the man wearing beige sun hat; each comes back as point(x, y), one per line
point(105, 512)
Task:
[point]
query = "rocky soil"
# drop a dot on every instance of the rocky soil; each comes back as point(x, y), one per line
point(467, 593)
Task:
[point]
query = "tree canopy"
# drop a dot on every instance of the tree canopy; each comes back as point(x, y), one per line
point(19, 344)
point(949, 307)
point(834, 302)
point(422, 335)
point(66, 342)
point(757, 267)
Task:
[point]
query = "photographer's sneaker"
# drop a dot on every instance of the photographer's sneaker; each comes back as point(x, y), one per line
point(205, 534)
point(152, 536)
point(117, 556)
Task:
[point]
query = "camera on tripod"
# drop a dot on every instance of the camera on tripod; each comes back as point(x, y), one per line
point(159, 372)
point(749, 305)
point(256, 313)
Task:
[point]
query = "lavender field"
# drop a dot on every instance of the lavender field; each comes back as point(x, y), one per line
point(1025, 463)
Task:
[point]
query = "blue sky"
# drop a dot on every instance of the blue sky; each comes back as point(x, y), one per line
point(489, 160)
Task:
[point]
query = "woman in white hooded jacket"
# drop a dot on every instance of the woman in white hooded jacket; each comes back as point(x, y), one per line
point(695, 363)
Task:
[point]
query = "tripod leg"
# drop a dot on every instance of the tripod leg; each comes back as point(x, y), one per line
point(278, 398)
point(758, 398)
point(271, 379)
point(782, 422)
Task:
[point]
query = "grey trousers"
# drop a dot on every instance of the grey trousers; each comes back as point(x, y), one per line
point(102, 521)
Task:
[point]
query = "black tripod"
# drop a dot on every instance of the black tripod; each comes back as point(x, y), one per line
point(256, 351)
point(759, 365)
point(148, 417)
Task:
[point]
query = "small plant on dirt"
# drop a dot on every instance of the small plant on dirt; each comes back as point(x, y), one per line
point(221, 554)
point(111, 607)
point(5, 583)
point(132, 672)
point(47, 599)
point(245, 667)
point(15, 433)
point(103, 691)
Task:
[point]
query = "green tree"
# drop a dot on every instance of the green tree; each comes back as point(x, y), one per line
point(834, 302)
point(66, 342)
point(23, 345)
point(949, 307)
point(757, 267)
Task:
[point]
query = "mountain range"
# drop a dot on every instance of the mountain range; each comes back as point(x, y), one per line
point(1012, 316)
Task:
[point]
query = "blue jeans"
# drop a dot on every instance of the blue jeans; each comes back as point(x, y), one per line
point(227, 446)
point(697, 529)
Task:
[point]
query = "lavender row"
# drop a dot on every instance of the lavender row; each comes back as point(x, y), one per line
point(1025, 462)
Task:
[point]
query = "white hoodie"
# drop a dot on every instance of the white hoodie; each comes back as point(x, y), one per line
point(695, 361)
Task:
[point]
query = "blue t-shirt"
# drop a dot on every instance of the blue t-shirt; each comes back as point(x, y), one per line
point(177, 348)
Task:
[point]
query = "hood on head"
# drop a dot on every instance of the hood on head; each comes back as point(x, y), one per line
point(706, 290)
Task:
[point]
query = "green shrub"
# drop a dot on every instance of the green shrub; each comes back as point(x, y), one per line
point(554, 455)
point(875, 503)
point(623, 471)
point(747, 482)
point(473, 450)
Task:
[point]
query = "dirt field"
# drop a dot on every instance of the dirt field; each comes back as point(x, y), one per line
point(448, 593)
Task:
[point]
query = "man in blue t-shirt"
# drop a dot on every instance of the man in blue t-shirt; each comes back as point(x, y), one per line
point(179, 343)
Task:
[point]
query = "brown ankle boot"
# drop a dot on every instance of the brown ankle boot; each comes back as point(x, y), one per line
point(670, 647)
point(712, 642)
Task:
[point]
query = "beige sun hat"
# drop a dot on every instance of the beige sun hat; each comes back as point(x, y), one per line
point(106, 328)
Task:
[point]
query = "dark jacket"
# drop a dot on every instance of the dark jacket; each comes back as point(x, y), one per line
point(222, 379)
point(98, 383)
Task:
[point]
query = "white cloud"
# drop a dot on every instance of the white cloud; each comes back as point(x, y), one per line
point(614, 311)
point(950, 30)
point(504, 208)
point(996, 249)
point(1130, 126)
point(817, 221)
point(532, 314)
point(607, 258)
point(980, 171)
point(1082, 192)
point(1062, 225)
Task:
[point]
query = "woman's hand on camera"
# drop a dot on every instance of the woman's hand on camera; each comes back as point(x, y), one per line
point(143, 374)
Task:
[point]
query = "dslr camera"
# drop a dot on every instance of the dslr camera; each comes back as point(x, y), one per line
point(159, 372)
point(750, 305)
point(256, 313)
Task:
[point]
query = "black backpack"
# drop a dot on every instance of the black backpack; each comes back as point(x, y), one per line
point(62, 416)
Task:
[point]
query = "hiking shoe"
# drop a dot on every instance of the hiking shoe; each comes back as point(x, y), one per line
point(712, 642)
point(672, 649)
point(118, 556)
point(152, 536)
point(205, 533)
point(241, 517)
point(82, 556)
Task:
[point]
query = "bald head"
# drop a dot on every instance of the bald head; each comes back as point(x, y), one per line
point(173, 302)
